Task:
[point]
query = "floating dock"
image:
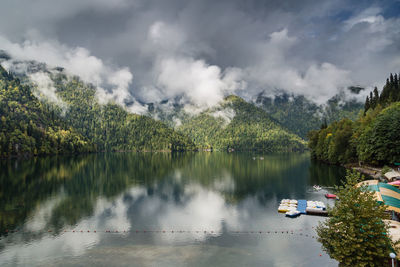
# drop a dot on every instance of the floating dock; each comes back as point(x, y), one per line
point(301, 206)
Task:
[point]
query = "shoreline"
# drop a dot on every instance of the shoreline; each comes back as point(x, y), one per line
point(374, 172)
point(29, 155)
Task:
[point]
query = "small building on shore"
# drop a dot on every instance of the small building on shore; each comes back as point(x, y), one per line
point(392, 175)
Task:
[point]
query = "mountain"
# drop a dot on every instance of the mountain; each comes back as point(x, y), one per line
point(68, 118)
point(295, 113)
point(30, 124)
point(300, 115)
point(239, 125)
point(111, 127)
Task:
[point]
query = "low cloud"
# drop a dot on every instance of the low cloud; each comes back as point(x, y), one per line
point(198, 52)
point(44, 89)
point(226, 114)
point(112, 82)
point(202, 84)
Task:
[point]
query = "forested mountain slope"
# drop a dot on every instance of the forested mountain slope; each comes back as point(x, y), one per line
point(300, 115)
point(237, 124)
point(374, 138)
point(109, 126)
point(30, 126)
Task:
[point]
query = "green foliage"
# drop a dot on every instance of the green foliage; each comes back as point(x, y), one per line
point(355, 234)
point(28, 126)
point(299, 115)
point(390, 93)
point(386, 169)
point(332, 144)
point(374, 138)
point(236, 124)
point(384, 135)
point(110, 127)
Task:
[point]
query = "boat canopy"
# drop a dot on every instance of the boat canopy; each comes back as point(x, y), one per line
point(384, 193)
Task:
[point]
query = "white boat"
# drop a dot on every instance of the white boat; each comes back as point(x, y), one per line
point(292, 213)
point(317, 187)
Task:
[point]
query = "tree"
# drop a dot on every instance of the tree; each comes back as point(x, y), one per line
point(372, 100)
point(385, 137)
point(355, 234)
point(324, 124)
point(367, 105)
point(376, 96)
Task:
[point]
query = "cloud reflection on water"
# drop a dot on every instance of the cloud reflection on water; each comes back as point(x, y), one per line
point(191, 198)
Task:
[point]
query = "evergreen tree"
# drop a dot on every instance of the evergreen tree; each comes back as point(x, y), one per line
point(376, 96)
point(355, 234)
point(372, 101)
point(396, 88)
point(367, 105)
point(383, 100)
point(324, 124)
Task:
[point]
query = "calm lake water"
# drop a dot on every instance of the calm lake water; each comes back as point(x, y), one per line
point(212, 207)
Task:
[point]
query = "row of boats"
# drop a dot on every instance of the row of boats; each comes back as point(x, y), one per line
point(293, 207)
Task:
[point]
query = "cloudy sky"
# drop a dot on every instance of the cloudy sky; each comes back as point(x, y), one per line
point(205, 49)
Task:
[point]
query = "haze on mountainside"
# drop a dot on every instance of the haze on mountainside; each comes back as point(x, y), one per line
point(198, 52)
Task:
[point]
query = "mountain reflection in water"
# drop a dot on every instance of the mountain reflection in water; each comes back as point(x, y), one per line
point(219, 193)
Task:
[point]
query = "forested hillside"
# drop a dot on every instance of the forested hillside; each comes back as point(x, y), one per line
point(236, 124)
point(300, 115)
point(30, 126)
point(109, 126)
point(374, 138)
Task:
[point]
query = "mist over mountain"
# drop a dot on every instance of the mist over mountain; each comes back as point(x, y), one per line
point(46, 110)
point(298, 114)
point(201, 51)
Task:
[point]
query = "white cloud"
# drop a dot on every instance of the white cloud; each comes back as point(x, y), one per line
point(369, 15)
point(45, 89)
point(112, 82)
point(178, 73)
point(202, 84)
point(226, 114)
point(318, 82)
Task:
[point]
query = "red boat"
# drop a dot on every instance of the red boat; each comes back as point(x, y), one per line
point(330, 196)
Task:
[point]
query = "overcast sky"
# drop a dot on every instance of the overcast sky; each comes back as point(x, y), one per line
point(205, 49)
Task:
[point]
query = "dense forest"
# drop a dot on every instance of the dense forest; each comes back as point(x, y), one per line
point(110, 127)
point(286, 108)
point(374, 138)
point(30, 126)
point(237, 124)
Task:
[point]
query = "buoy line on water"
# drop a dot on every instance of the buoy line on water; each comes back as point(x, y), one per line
point(295, 232)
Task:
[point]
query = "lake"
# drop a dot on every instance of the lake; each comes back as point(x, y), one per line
point(161, 209)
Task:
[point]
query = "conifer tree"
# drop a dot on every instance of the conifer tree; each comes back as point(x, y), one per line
point(355, 234)
point(372, 101)
point(367, 105)
point(324, 124)
point(385, 93)
point(376, 96)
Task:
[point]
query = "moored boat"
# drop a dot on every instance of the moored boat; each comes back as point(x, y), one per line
point(332, 196)
point(317, 187)
point(293, 213)
point(316, 211)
